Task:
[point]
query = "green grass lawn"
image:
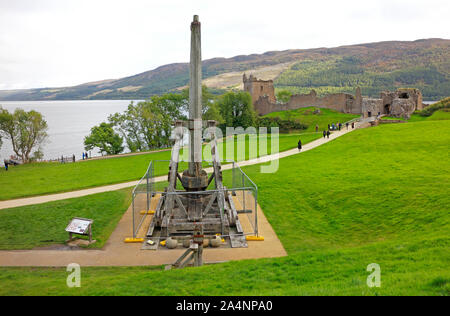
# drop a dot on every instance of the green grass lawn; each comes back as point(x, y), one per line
point(378, 195)
point(46, 178)
point(443, 114)
point(307, 116)
point(44, 224)
point(389, 118)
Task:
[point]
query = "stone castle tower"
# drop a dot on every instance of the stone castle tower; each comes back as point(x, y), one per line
point(259, 88)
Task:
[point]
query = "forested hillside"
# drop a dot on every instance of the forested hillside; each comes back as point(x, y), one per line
point(423, 64)
point(374, 67)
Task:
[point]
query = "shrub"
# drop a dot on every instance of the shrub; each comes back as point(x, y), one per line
point(429, 110)
point(284, 125)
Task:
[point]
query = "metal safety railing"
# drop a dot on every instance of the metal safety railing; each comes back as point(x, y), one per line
point(236, 182)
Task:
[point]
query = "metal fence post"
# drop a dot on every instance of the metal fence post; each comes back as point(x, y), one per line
point(134, 231)
point(148, 199)
point(256, 212)
point(243, 185)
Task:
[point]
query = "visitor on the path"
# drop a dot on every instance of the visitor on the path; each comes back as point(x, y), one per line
point(87, 156)
point(353, 125)
point(328, 134)
point(346, 125)
point(73, 158)
point(6, 164)
point(83, 155)
point(324, 134)
point(332, 126)
point(317, 128)
point(340, 126)
point(62, 159)
point(299, 145)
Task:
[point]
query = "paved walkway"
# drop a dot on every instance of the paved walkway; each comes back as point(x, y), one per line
point(118, 253)
point(114, 187)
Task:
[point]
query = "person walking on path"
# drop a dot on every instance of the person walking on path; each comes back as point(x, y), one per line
point(73, 158)
point(353, 125)
point(340, 126)
point(317, 128)
point(299, 145)
point(83, 155)
point(328, 134)
point(346, 124)
point(324, 134)
point(6, 164)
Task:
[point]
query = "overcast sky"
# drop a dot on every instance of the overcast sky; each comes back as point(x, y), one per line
point(54, 43)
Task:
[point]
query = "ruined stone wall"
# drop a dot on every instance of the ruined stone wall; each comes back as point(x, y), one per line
point(413, 94)
point(342, 102)
point(371, 107)
point(402, 108)
point(401, 103)
point(264, 101)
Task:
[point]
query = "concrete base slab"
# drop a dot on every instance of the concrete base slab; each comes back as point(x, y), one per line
point(118, 253)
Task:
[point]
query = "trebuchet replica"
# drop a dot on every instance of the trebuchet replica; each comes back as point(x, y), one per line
point(197, 212)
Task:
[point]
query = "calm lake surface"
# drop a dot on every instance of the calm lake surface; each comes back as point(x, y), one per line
point(68, 123)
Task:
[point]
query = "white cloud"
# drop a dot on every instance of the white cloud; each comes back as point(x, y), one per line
point(58, 43)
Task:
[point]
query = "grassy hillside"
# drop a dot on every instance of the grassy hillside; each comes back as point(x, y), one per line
point(443, 105)
point(422, 64)
point(307, 116)
point(371, 196)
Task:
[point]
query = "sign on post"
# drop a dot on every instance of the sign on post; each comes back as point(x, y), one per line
point(80, 226)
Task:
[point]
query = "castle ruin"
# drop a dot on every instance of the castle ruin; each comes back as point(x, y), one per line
point(259, 88)
point(401, 103)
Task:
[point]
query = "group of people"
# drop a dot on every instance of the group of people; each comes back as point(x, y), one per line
point(338, 126)
point(327, 133)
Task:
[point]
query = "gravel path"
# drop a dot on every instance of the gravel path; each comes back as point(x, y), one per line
point(114, 187)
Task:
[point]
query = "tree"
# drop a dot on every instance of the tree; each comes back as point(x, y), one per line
point(127, 124)
point(236, 109)
point(213, 114)
point(104, 138)
point(208, 100)
point(283, 96)
point(26, 131)
point(148, 125)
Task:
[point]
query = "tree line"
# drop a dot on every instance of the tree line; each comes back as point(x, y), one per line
point(147, 125)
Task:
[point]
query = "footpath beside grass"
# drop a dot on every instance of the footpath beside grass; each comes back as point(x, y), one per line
point(40, 225)
point(46, 178)
point(378, 195)
point(415, 268)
